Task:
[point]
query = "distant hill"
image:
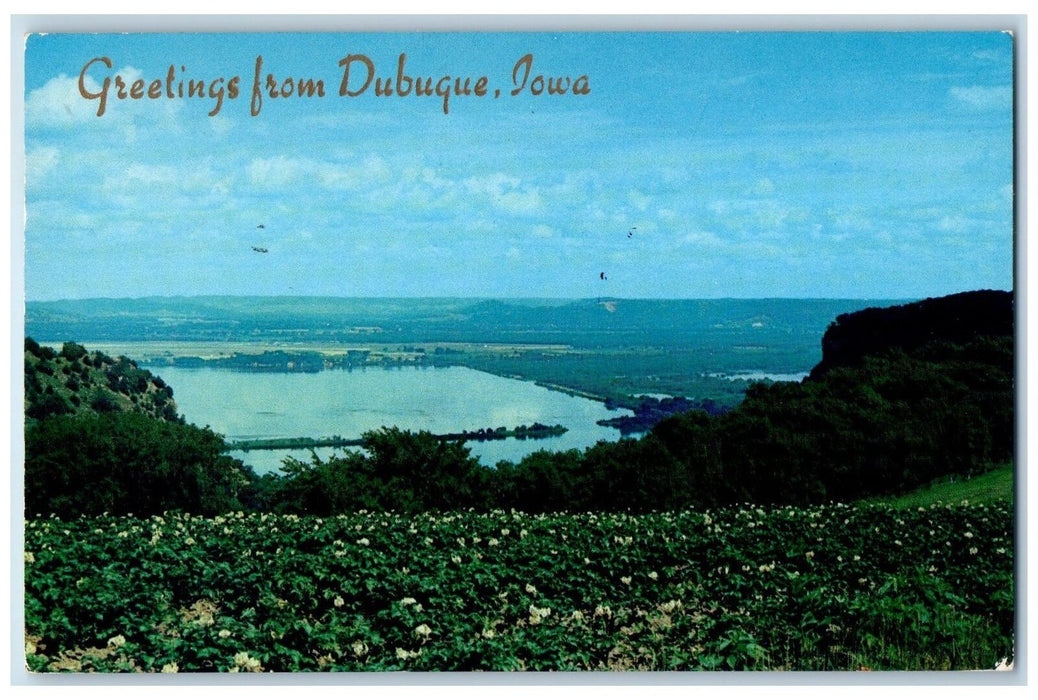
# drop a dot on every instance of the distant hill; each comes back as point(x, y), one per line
point(589, 323)
point(75, 381)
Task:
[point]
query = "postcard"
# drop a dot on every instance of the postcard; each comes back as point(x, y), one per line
point(681, 352)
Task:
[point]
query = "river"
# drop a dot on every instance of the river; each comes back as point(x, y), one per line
point(250, 405)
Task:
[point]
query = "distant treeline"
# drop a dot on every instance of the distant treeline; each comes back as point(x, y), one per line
point(914, 407)
point(535, 431)
point(587, 323)
point(649, 411)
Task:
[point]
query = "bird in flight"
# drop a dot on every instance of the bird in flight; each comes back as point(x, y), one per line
point(631, 232)
point(261, 226)
point(260, 250)
point(602, 276)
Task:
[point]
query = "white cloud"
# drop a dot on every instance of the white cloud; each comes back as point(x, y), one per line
point(274, 172)
point(991, 55)
point(854, 218)
point(58, 103)
point(762, 187)
point(984, 97)
point(221, 125)
point(507, 192)
point(40, 161)
point(706, 239)
point(953, 224)
point(638, 199)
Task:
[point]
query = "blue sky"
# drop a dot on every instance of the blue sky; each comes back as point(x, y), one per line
point(862, 165)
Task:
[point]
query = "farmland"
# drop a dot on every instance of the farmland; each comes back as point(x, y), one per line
point(834, 587)
point(605, 348)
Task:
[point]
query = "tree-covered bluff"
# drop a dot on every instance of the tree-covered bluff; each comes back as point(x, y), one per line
point(74, 381)
point(103, 435)
point(903, 396)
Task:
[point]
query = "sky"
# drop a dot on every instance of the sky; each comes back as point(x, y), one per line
point(698, 165)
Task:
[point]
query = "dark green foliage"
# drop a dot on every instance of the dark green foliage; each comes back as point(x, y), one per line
point(72, 352)
point(35, 349)
point(104, 403)
point(957, 318)
point(401, 471)
point(48, 405)
point(76, 380)
point(743, 588)
point(127, 463)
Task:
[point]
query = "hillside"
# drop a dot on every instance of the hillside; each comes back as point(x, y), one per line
point(957, 319)
point(75, 381)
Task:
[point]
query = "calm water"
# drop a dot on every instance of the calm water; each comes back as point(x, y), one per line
point(242, 405)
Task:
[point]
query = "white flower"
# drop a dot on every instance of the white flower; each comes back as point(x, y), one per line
point(538, 614)
point(422, 630)
point(117, 641)
point(670, 606)
point(338, 602)
point(360, 648)
point(531, 589)
point(30, 558)
point(224, 634)
point(171, 668)
point(364, 541)
point(626, 580)
point(653, 575)
point(243, 660)
point(408, 601)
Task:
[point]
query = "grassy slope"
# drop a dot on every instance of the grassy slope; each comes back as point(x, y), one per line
point(991, 487)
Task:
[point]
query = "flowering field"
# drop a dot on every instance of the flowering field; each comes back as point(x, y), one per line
point(827, 588)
